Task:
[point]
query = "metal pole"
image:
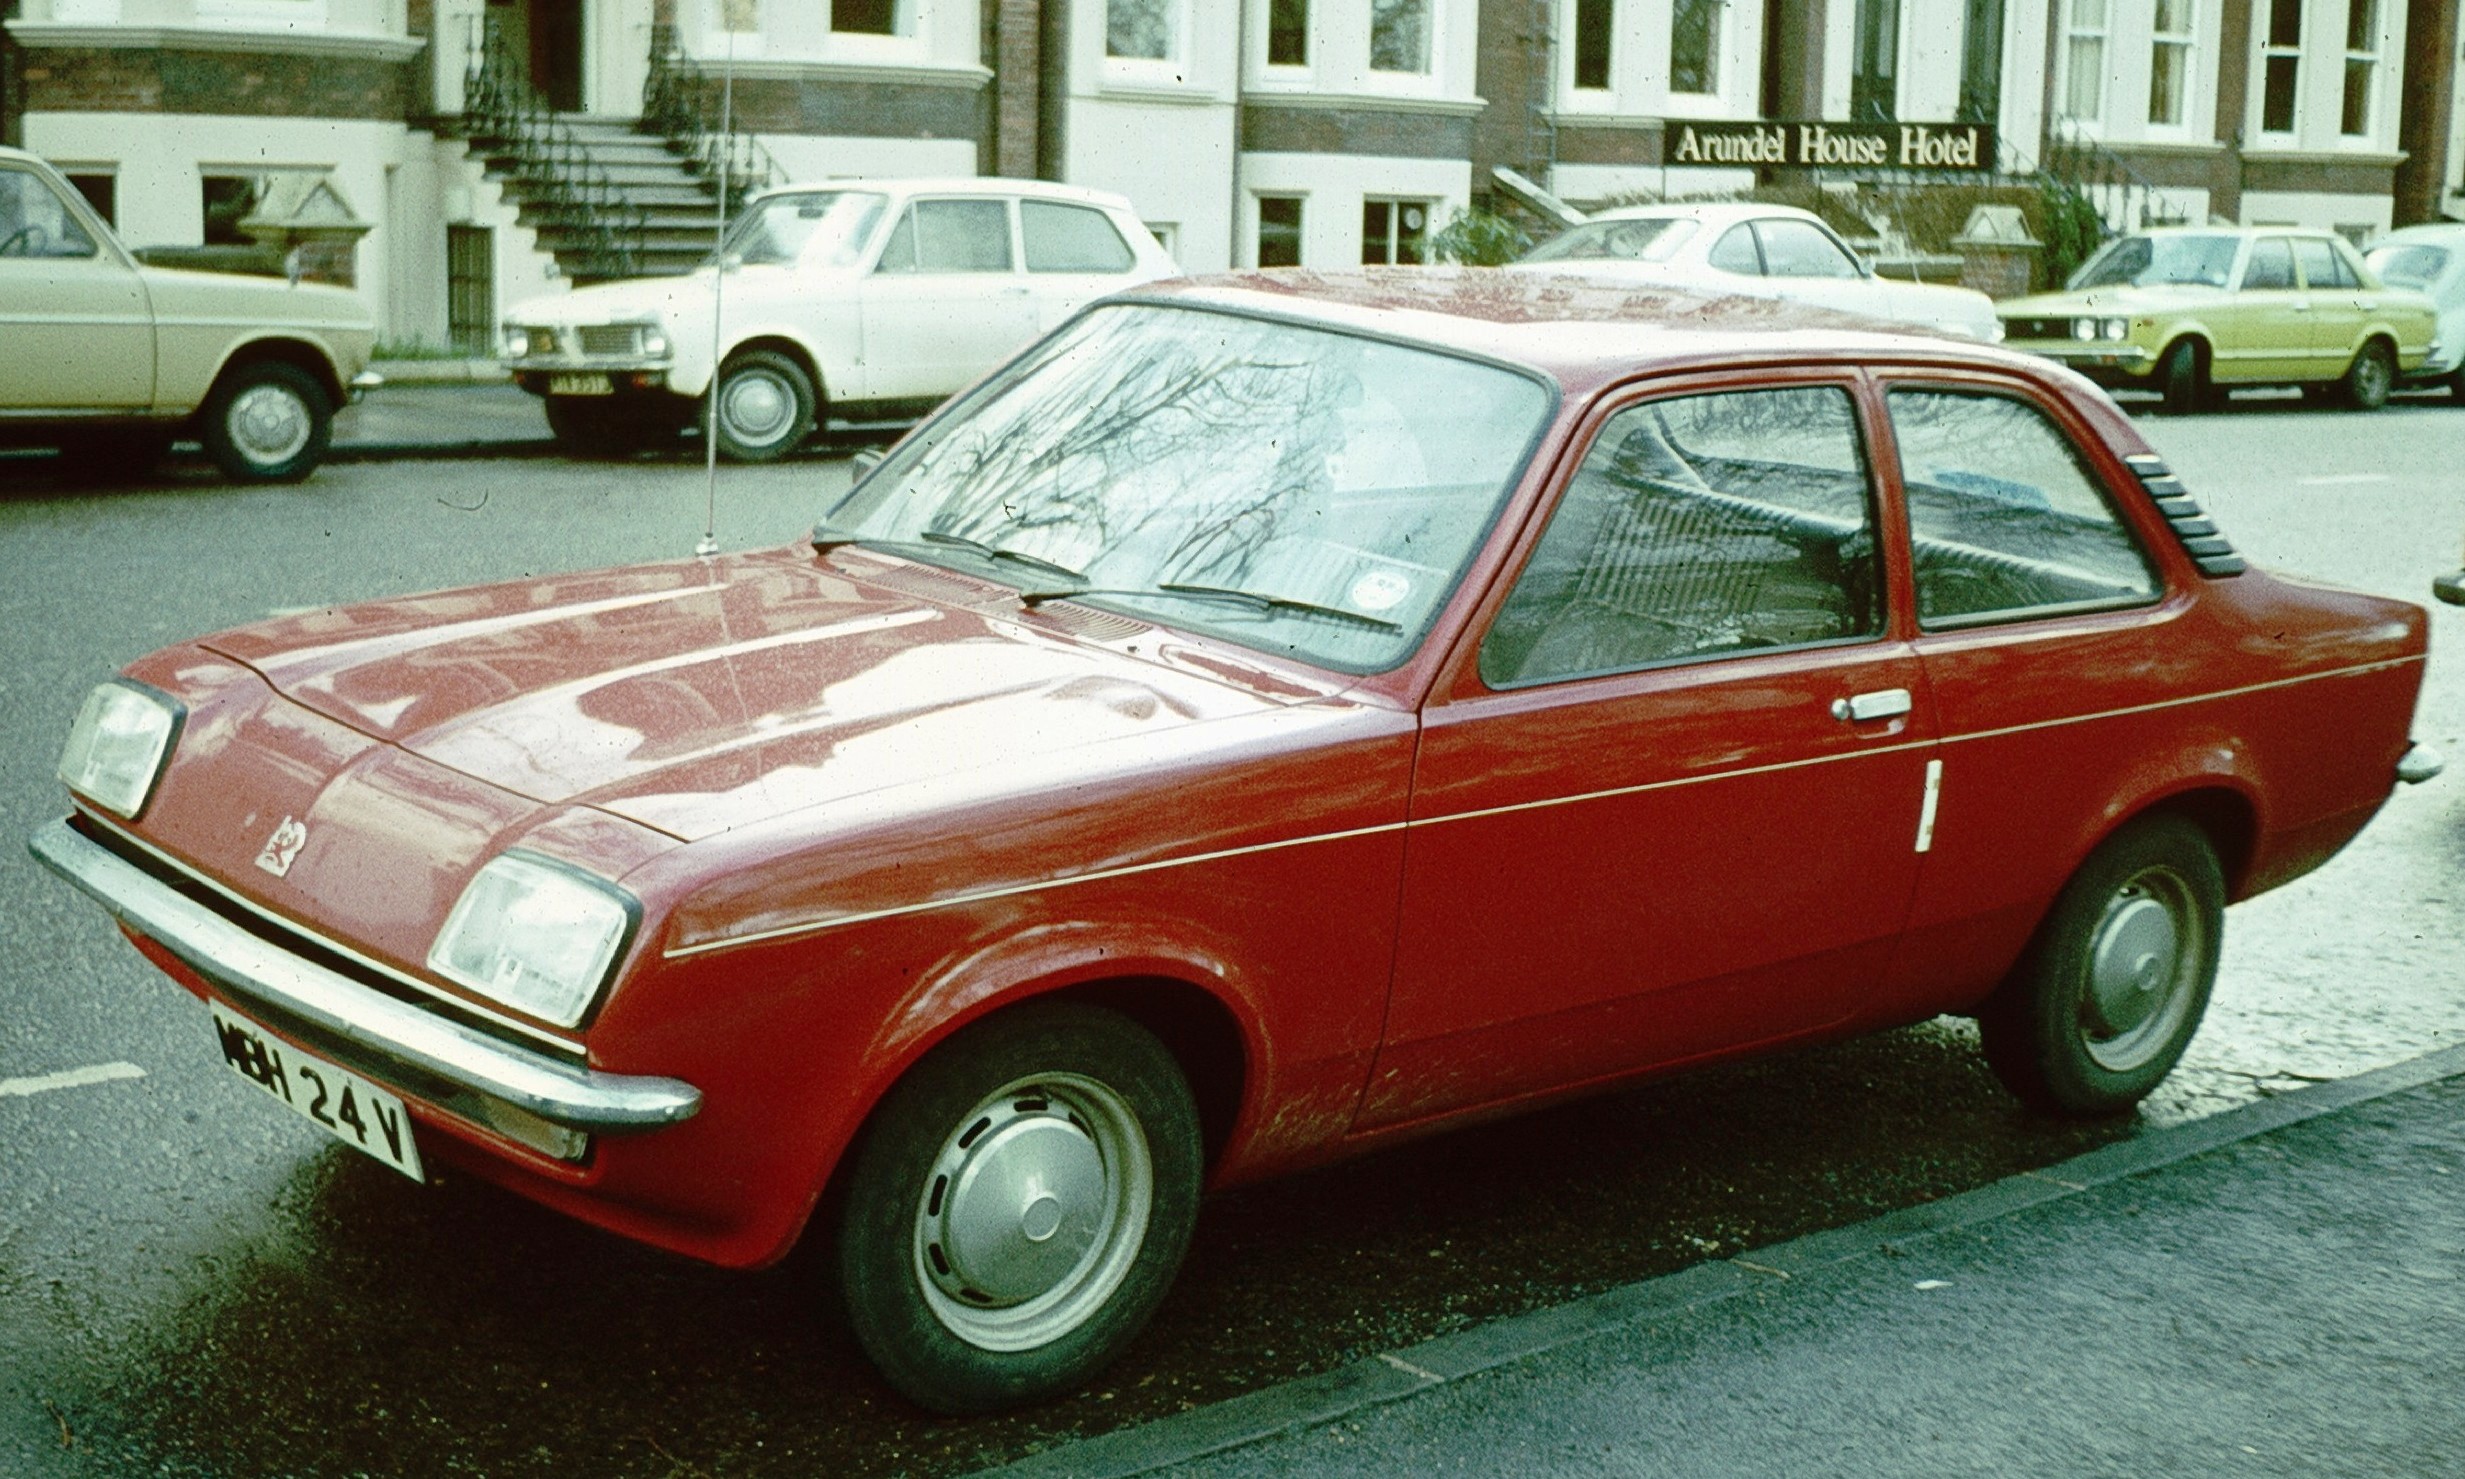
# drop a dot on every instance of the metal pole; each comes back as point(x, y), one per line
point(709, 544)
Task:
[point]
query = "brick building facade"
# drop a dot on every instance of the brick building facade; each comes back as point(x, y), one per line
point(1246, 131)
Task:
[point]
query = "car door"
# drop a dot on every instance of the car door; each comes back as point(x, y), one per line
point(1074, 255)
point(2048, 646)
point(1806, 263)
point(945, 300)
point(2263, 332)
point(2335, 295)
point(73, 311)
point(1675, 804)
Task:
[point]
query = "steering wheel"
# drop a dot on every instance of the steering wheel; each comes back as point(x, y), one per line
point(31, 235)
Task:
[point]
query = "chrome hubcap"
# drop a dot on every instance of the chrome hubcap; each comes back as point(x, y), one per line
point(2373, 376)
point(1033, 1212)
point(757, 406)
point(269, 423)
point(2140, 971)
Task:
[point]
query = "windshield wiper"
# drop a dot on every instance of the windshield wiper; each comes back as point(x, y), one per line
point(1255, 600)
point(1016, 557)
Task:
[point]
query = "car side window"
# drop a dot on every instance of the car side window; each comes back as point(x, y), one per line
point(2006, 521)
point(1071, 238)
point(1798, 249)
point(2271, 266)
point(35, 221)
point(1697, 527)
point(2321, 266)
point(950, 236)
point(1735, 252)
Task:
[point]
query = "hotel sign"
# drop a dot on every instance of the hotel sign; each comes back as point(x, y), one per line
point(1935, 147)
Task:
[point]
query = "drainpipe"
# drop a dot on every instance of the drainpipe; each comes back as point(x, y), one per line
point(1241, 67)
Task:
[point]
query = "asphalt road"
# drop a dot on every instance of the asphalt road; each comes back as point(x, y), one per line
point(192, 1285)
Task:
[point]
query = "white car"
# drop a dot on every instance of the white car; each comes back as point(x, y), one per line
point(2431, 260)
point(1770, 251)
point(110, 360)
point(865, 299)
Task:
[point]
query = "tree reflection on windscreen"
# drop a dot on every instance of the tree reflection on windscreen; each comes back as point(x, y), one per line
point(1149, 447)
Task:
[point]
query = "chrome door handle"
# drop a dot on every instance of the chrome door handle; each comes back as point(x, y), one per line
point(1883, 703)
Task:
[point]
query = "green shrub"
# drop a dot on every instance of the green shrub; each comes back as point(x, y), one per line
point(1479, 238)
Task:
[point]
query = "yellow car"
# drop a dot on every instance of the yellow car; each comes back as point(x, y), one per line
point(2186, 310)
point(109, 360)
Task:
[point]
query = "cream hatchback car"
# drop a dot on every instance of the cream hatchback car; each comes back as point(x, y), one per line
point(868, 300)
point(110, 361)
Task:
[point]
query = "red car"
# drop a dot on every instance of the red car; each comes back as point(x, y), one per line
point(1272, 717)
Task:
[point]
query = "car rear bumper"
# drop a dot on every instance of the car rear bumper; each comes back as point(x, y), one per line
point(459, 1069)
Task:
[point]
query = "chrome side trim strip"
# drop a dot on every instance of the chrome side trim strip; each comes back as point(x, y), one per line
point(392, 1040)
point(564, 1045)
point(819, 923)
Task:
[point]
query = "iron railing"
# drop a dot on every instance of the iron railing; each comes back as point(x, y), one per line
point(597, 230)
point(684, 103)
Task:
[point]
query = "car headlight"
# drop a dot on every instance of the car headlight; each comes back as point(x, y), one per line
point(535, 934)
point(2118, 329)
point(2084, 328)
point(655, 342)
point(117, 746)
point(517, 343)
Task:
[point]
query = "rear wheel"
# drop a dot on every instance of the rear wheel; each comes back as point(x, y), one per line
point(2113, 986)
point(2183, 378)
point(2370, 377)
point(1017, 1206)
point(267, 422)
point(766, 406)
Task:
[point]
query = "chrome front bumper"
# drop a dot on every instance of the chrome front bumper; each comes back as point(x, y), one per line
point(426, 1055)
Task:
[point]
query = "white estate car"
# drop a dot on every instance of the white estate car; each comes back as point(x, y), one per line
point(869, 299)
point(1771, 251)
point(2431, 260)
point(109, 360)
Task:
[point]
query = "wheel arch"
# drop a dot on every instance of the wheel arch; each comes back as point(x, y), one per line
point(779, 342)
point(2228, 817)
point(2201, 344)
point(304, 355)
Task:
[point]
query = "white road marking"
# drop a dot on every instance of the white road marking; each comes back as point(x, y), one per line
point(1406, 1367)
point(2343, 479)
point(73, 1078)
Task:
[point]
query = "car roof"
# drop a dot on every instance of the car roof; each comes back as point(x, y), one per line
point(1709, 212)
point(956, 185)
point(1582, 331)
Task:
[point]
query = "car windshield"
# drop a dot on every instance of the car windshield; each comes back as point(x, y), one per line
point(828, 228)
point(1627, 241)
point(2409, 266)
point(2147, 261)
point(1292, 489)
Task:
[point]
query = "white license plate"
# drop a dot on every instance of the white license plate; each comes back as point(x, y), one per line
point(355, 1111)
point(580, 385)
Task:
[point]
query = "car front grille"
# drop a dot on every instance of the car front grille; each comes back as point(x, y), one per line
point(610, 338)
point(2037, 328)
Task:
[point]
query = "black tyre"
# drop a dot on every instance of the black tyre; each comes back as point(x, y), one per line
point(266, 422)
point(1017, 1206)
point(766, 406)
point(2113, 986)
point(2183, 378)
point(2370, 377)
point(593, 426)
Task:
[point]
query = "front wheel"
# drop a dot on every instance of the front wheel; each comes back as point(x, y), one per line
point(766, 406)
point(2370, 377)
point(267, 422)
point(1017, 1206)
point(2110, 991)
point(2182, 379)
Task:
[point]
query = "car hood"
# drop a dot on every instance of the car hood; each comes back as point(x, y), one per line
point(2122, 299)
point(272, 300)
point(705, 695)
point(647, 299)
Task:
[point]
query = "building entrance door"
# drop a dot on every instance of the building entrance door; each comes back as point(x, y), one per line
point(544, 38)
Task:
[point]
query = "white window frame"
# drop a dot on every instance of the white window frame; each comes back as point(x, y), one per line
point(2377, 41)
point(1719, 56)
point(1258, 224)
point(2075, 33)
point(1396, 205)
point(1434, 22)
point(1568, 87)
point(2265, 50)
point(1172, 69)
point(2185, 44)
